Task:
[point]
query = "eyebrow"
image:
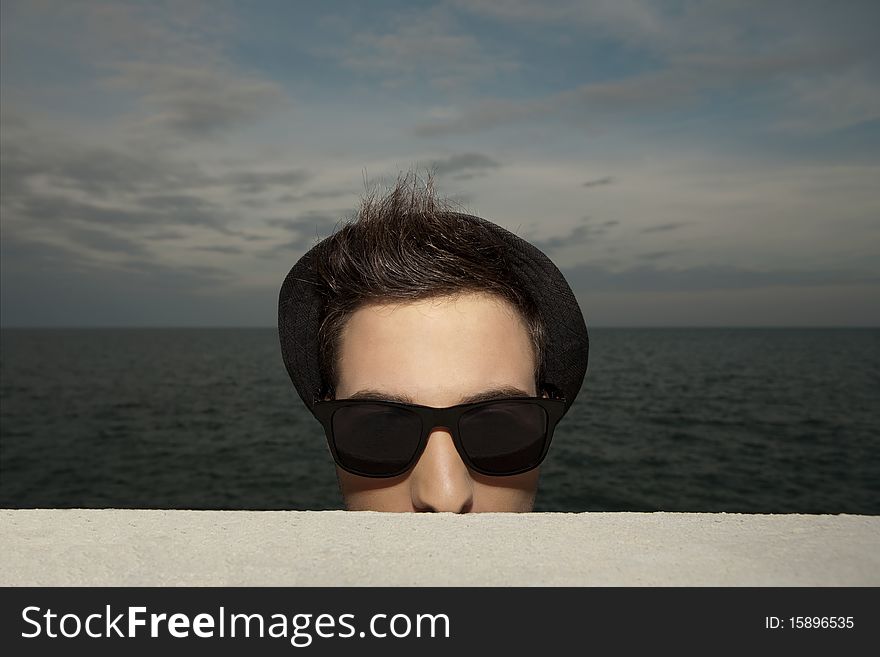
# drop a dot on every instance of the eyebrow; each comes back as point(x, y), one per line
point(500, 392)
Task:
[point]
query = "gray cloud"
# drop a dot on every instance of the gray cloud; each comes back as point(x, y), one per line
point(21, 253)
point(58, 210)
point(186, 276)
point(656, 255)
point(103, 172)
point(220, 248)
point(257, 203)
point(12, 119)
point(93, 171)
point(142, 294)
point(25, 256)
point(598, 182)
point(15, 170)
point(122, 190)
point(317, 220)
point(315, 194)
point(692, 27)
point(51, 209)
point(129, 297)
point(662, 228)
point(581, 105)
point(247, 237)
point(466, 165)
point(485, 114)
point(648, 278)
point(196, 102)
point(424, 44)
point(584, 232)
point(175, 202)
point(165, 235)
point(633, 22)
point(308, 228)
point(255, 182)
point(699, 51)
point(34, 271)
point(297, 244)
point(174, 64)
point(461, 200)
point(100, 240)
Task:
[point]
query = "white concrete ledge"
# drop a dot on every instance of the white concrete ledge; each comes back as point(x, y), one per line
point(110, 547)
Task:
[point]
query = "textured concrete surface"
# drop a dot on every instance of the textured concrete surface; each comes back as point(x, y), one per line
point(339, 548)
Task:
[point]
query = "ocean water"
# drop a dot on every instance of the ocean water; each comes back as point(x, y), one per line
point(735, 420)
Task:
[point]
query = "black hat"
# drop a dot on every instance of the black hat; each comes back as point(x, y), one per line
point(301, 306)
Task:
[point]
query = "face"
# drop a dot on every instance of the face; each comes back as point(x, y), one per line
point(437, 352)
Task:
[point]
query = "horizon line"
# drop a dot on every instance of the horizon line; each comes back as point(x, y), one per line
point(598, 326)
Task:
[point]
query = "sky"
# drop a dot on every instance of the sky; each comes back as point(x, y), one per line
point(683, 163)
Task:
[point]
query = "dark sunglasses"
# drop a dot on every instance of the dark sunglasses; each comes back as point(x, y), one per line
point(386, 438)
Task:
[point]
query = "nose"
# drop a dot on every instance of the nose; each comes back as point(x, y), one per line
point(440, 480)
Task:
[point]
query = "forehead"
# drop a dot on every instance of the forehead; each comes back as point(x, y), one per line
point(436, 350)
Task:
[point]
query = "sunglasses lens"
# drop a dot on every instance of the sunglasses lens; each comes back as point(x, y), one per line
point(504, 437)
point(375, 439)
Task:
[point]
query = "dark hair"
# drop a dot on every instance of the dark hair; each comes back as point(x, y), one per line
point(406, 246)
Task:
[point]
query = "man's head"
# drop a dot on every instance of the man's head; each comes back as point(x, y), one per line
point(423, 305)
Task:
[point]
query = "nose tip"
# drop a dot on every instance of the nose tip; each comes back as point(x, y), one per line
point(440, 480)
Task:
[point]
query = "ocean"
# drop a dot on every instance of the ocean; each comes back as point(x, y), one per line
point(770, 420)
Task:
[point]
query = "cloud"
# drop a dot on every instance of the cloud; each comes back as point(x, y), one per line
point(102, 171)
point(583, 233)
point(316, 220)
point(100, 240)
point(251, 238)
point(165, 235)
point(55, 210)
point(662, 228)
point(188, 203)
point(635, 22)
point(598, 182)
point(51, 181)
point(166, 69)
point(829, 102)
point(656, 255)
point(46, 284)
point(20, 253)
point(313, 195)
point(697, 52)
point(662, 29)
point(582, 104)
point(418, 44)
point(164, 181)
point(220, 248)
point(25, 258)
point(195, 102)
point(256, 182)
point(308, 228)
point(96, 171)
point(648, 278)
point(463, 164)
point(190, 276)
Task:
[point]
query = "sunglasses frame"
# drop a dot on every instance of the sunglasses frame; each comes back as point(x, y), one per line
point(432, 418)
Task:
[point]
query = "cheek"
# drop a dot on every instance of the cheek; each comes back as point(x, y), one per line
point(505, 494)
point(365, 494)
